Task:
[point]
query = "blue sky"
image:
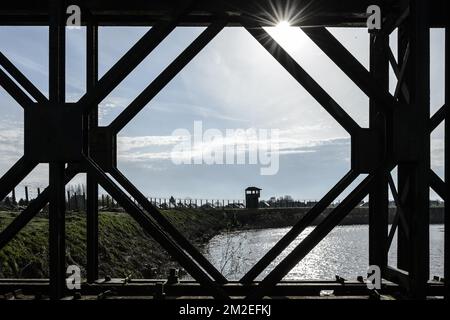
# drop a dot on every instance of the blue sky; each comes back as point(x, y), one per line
point(232, 84)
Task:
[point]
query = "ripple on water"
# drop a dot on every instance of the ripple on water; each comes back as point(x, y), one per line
point(343, 252)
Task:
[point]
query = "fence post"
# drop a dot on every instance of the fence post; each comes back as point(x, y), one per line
point(27, 199)
point(68, 200)
point(13, 196)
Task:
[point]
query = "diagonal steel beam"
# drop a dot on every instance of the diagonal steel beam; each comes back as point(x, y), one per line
point(392, 230)
point(167, 226)
point(437, 184)
point(302, 77)
point(400, 74)
point(154, 231)
point(349, 65)
point(398, 276)
point(399, 201)
point(401, 85)
point(13, 176)
point(317, 235)
point(14, 90)
point(166, 76)
point(437, 118)
point(298, 228)
point(132, 58)
point(30, 212)
point(21, 79)
point(400, 214)
point(24, 218)
point(397, 71)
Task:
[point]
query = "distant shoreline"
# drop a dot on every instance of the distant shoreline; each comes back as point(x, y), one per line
point(287, 217)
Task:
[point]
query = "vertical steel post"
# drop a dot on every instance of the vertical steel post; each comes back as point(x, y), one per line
point(419, 108)
point(379, 196)
point(420, 97)
point(56, 169)
point(447, 161)
point(91, 182)
point(403, 168)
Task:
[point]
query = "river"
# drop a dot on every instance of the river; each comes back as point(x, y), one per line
point(343, 252)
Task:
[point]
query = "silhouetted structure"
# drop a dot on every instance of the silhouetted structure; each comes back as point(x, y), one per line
point(252, 197)
point(67, 136)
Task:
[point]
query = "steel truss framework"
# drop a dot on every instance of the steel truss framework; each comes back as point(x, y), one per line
point(398, 135)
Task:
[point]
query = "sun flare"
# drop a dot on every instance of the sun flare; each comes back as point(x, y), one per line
point(286, 35)
point(283, 25)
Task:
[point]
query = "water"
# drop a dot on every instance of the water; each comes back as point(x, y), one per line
point(343, 252)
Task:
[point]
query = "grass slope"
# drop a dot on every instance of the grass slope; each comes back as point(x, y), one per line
point(124, 248)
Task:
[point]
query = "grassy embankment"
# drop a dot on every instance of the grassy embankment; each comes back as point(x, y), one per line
point(124, 248)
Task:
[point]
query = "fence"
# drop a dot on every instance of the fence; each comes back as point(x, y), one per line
point(76, 201)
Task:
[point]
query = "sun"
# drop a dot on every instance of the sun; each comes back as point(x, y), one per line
point(283, 25)
point(286, 35)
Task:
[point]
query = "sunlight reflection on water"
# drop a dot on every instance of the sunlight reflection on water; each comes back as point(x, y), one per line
point(343, 252)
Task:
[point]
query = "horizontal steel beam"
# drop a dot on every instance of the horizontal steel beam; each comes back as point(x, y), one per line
point(149, 287)
point(137, 12)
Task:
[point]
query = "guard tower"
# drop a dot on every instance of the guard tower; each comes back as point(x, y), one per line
point(252, 197)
